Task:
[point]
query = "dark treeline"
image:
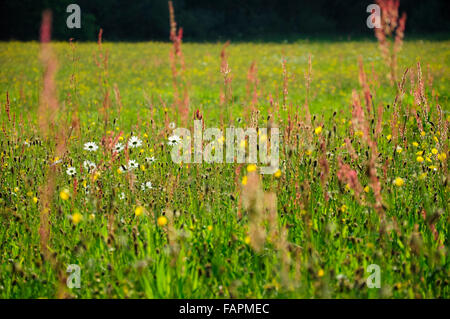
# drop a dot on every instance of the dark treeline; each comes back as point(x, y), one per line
point(201, 20)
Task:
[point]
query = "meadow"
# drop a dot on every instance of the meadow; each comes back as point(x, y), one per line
point(363, 177)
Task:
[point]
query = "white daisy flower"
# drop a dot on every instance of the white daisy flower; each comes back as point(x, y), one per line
point(174, 140)
point(89, 166)
point(119, 147)
point(122, 196)
point(134, 142)
point(132, 164)
point(146, 185)
point(150, 159)
point(90, 146)
point(71, 171)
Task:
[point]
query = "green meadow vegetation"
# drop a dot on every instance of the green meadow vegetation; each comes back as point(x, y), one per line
point(86, 175)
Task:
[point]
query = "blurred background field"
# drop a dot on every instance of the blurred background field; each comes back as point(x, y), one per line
point(145, 67)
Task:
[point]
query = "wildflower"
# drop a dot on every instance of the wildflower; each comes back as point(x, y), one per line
point(433, 167)
point(90, 166)
point(442, 157)
point(277, 174)
point(399, 182)
point(76, 218)
point(132, 164)
point(343, 208)
point(71, 171)
point(367, 189)
point(122, 196)
point(35, 200)
point(434, 151)
point(173, 140)
point(64, 194)
point(320, 273)
point(399, 149)
point(122, 169)
point(119, 147)
point(96, 175)
point(90, 146)
point(359, 133)
point(389, 137)
point(419, 159)
point(428, 159)
point(146, 185)
point(247, 240)
point(172, 125)
point(422, 133)
point(134, 142)
point(92, 216)
point(251, 168)
point(419, 153)
point(415, 144)
point(318, 130)
point(161, 221)
point(150, 159)
point(210, 227)
point(244, 180)
point(139, 210)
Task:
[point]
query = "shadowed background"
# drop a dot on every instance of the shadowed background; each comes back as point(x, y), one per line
point(206, 20)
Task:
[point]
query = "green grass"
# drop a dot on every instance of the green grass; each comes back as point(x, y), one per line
point(207, 249)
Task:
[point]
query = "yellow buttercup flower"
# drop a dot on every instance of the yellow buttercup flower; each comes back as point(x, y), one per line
point(247, 240)
point(399, 182)
point(35, 200)
point(320, 273)
point(367, 189)
point(251, 168)
point(419, 159)
point(161, 221)
point(415, 144)
point(64, 194)
point(277, 174)
point(422, 133)
point(389, 137)
point(318, 130)
point(210, 227)
point(442, 157)
point(434, 151)
point(244, 180)
point(76, 218)
point(139, 210)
